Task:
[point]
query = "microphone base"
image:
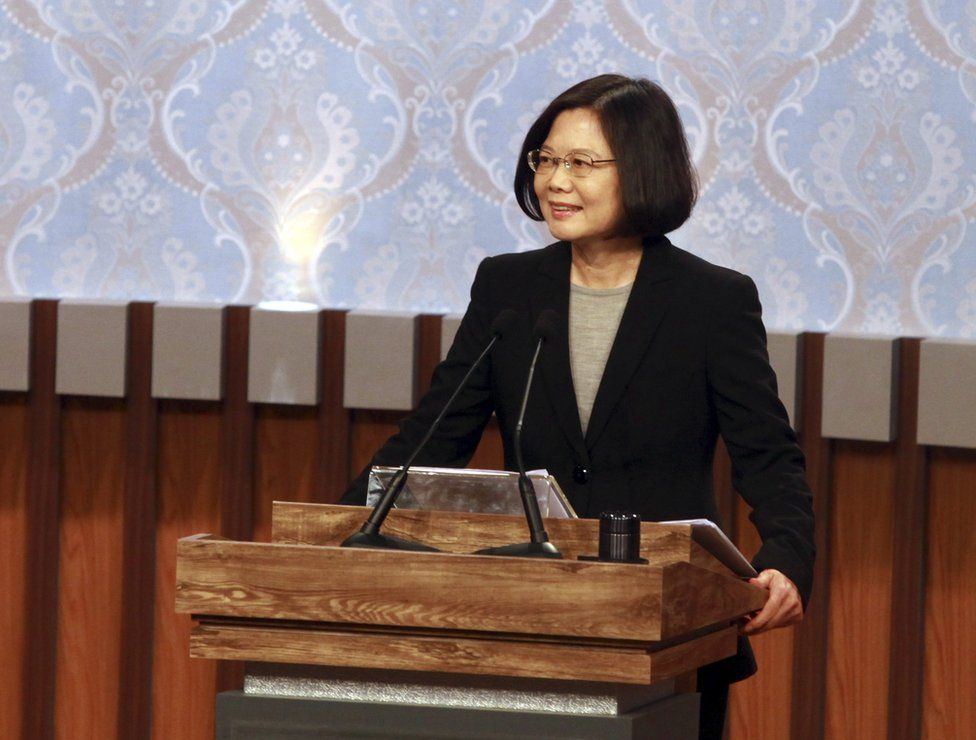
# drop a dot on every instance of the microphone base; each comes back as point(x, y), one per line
point(383, 542)
point(524, 550)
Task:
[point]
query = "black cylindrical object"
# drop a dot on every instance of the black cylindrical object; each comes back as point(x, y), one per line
point(619, 536)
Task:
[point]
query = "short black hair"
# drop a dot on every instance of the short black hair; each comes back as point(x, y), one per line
point(658, 182)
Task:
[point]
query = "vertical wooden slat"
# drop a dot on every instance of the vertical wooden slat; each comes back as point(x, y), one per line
point(810, 636)
point(14, 420)
point(188, 493)
point(862, 511)
point(332, 472)
point(949, 690)
point(907, 643)
point(90, 568)
point(428, 350)
point(139, 529)
point(237, 430)
point(41, 599)
point(237, 458)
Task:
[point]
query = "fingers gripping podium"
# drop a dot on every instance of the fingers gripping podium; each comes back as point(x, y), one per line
point(454, 619)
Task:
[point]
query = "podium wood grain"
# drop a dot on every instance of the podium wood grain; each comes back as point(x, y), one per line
point(459, 654)
point(462, 532)
point(303, 599)
point(454, 592)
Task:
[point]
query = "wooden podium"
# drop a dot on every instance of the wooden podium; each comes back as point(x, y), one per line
point(450, 619)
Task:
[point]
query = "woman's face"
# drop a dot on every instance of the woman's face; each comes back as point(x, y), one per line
point(584, 211)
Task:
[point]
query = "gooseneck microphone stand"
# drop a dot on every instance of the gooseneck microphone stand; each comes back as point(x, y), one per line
point(369, 535)
point(538, 545)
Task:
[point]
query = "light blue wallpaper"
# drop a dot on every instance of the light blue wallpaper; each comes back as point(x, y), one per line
point(361, 153)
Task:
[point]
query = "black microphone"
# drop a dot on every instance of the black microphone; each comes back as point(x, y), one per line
point(369, 534)
point(539, 545)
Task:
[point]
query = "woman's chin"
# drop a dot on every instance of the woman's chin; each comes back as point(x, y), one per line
point(561, 231)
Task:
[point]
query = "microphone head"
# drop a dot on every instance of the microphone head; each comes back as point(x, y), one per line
point(503, 322)
point(545, 325)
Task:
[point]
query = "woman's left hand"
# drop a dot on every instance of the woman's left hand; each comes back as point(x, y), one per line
point(783, 608)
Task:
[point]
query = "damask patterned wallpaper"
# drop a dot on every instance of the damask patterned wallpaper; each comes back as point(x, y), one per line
point(360, 153)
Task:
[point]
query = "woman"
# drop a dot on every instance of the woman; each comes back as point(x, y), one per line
point(658, 352)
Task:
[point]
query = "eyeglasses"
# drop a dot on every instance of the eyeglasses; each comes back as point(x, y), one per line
point(576, 164)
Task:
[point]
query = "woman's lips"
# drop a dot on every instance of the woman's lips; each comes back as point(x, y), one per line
point(562, 211)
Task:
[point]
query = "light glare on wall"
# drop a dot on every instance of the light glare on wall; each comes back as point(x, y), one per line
point(299, 236)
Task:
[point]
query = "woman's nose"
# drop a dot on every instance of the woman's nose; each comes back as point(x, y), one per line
point(560, 179)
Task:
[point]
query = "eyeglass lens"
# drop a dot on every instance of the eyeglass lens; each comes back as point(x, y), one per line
point(576, 164)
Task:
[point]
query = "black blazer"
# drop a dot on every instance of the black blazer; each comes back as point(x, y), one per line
point(688, 363)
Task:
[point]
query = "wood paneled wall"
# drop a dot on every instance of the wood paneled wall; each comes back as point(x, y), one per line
point(94, 494)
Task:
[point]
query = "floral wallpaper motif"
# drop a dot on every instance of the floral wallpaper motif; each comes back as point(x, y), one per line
point(360, 153)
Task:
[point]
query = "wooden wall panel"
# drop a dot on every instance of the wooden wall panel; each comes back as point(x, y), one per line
point(139, 528)
point(189, 466)
point(490, 455)
point(14, 418)
point(428, 350)
point(759, 707)
point(368, 430)
point(332, 475)
point(237, 430)
point(90, 569)
point(236, 453)
point(217, 467)
point(286, 443)
point(906, 667)
point(810, 636)
point(950, 604)
point(725, 495)
point(43, 482)
point(859, 618)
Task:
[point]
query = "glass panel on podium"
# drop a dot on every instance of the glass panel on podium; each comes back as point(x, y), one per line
point(477, 491)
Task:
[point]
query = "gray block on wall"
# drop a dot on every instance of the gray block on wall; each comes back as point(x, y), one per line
point(91, 348)
point(784, 356)
point(859, 388)
point(947, 393)
point(14, 344)
point(381, 360)
point(283, 356)
point(187, 346)
point(449, 327)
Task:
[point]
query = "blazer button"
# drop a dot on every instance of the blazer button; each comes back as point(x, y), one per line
point(580, 474)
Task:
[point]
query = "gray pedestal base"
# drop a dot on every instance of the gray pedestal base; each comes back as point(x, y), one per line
point(243, 716)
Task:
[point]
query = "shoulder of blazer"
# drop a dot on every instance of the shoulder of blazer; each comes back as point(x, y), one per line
point(664, 256)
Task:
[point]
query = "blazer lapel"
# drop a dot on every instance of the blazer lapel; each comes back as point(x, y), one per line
point(645, 309)
point(553, 293)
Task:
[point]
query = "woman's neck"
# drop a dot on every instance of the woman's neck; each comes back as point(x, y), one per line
point(611, 263)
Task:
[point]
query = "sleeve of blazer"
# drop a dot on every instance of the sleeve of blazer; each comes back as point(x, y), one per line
point(767, 464)
point(457, 437)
